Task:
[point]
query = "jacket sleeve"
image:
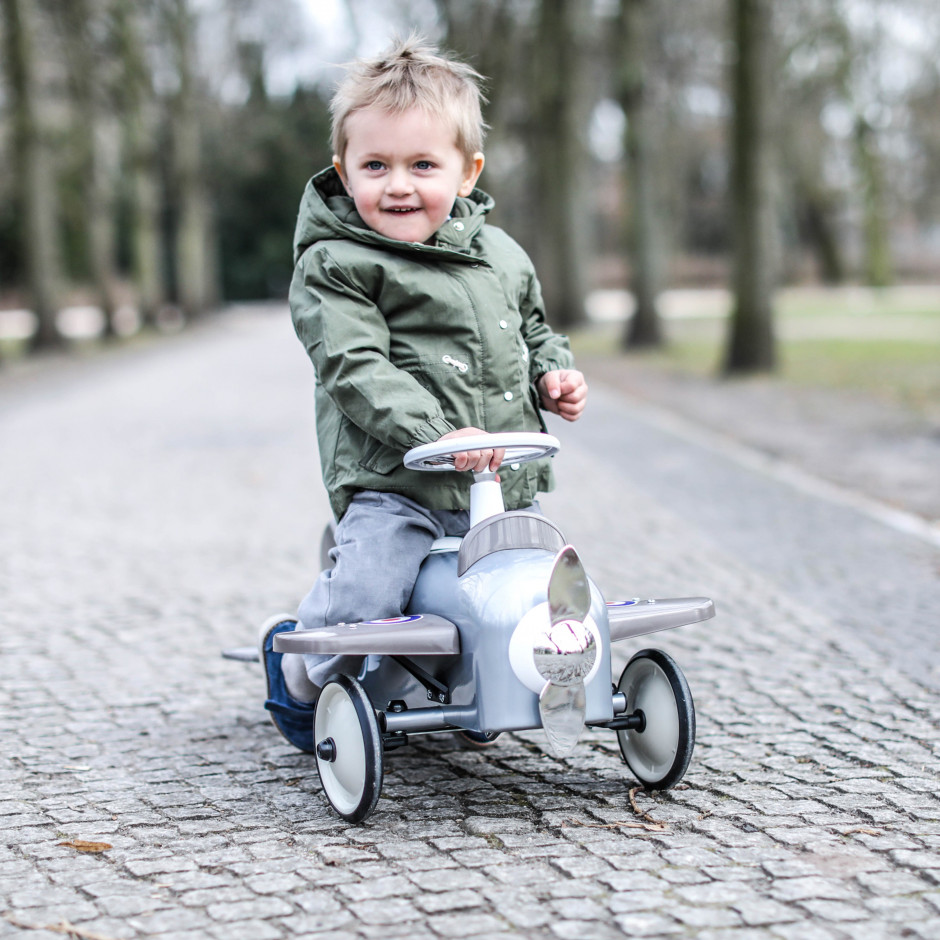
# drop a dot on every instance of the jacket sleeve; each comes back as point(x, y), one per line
point(347, 339)
point(547, 350)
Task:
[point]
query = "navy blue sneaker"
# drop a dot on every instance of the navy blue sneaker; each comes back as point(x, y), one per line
point(292, 718)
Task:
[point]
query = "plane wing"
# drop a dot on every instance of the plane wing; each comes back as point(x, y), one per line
point(636, 617)
point(412, 635)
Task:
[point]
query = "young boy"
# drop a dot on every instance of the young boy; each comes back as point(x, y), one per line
point(423, 323)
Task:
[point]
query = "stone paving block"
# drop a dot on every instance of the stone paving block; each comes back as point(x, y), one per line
point(892, 883)
point(701, 918)
point(640, 901)
point(528, 874)
point(730, 894)
point(636, 880)
point(414, 852)
point(683, 876)
point(123, 906)
point(448, 879)
point(76, 911)
point(371, 870)
point(521, 910)
point(447, 900)
point(163, 864)
point(247, 930)
point(371, 889)
point(397, 932)
point(274, 883)
point(229, 894)
point(903, 911)
point(764, 911)
point(479, 858)
point(807, 930)
point(648, 925)
point(578, 929)
point(581, 909)
point(797, 889)
point(582, 865)
point(465, 924)
point(571, 888)
point(838, 911)
point(255, 908)
point(171, 920)
point(385, 911)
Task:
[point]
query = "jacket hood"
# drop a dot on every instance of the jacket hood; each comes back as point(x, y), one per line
point(327, 212)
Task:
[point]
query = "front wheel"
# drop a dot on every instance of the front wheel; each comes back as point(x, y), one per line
point(348, 748)
point(659, 750)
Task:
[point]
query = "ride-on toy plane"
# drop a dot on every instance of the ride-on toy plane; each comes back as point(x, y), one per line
point(504, 632)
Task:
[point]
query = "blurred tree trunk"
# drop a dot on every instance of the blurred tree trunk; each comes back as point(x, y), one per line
point(751, 345)
point(81, 22)
point(140, 144)
point(193, 265)
point(486, 33)
point(644, 328)
point(33, 167)
point(495, 39)
point(559, 158)
point(817, 212)
point(878, 266)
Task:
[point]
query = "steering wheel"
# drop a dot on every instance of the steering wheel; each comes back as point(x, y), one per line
point(520, 447)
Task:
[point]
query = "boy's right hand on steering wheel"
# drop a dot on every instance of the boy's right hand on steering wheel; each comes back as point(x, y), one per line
point(476, 460)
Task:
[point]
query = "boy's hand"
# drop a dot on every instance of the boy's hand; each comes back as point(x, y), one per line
point(476, 460)
point(563, 392)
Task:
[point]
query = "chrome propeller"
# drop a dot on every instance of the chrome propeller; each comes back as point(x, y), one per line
point(564, 653)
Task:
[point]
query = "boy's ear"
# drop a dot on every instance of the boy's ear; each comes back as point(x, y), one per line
point(474, 169)
point(338, 166)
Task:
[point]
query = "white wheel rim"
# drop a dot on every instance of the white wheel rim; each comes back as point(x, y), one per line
point(650, 753)
point(344, 778)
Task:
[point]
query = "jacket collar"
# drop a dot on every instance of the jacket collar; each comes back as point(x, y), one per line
point(327, 212)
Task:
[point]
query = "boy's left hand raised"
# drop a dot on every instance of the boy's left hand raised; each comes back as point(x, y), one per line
point(563, 392)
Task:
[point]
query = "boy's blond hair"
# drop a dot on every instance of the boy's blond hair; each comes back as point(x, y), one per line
point(412, 73)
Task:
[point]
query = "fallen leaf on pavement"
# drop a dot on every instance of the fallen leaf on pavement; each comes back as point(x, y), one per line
point(80, 845)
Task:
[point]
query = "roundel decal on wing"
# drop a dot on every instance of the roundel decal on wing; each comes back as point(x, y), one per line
point(410, 619)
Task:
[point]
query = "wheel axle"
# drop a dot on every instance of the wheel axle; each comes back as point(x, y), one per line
point(633, 722)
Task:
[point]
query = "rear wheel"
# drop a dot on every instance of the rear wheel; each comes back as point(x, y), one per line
point(348, 748)
point(659, 750)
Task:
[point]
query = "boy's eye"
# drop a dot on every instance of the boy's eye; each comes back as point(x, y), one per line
point(424, 165)
point(374, 165)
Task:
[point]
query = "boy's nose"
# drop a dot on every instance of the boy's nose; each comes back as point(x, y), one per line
point(398, 183)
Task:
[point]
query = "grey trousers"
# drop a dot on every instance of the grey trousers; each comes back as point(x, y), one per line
point(381, 542)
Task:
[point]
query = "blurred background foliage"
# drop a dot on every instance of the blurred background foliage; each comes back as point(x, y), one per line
point(155, 151)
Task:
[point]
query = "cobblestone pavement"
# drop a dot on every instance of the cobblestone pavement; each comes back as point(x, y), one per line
point(159, 503)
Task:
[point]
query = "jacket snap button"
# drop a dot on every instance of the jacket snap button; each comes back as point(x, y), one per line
point(458, 226)
point(515, 466)
point(507, 396)
point(503, 324)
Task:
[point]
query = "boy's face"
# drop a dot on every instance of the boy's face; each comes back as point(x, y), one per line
point(404, 171)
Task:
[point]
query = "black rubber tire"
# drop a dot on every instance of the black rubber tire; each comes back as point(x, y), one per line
point(659, 755)
point(352, 781)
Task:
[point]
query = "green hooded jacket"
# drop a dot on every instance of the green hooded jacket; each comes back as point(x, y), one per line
point(410, 341)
